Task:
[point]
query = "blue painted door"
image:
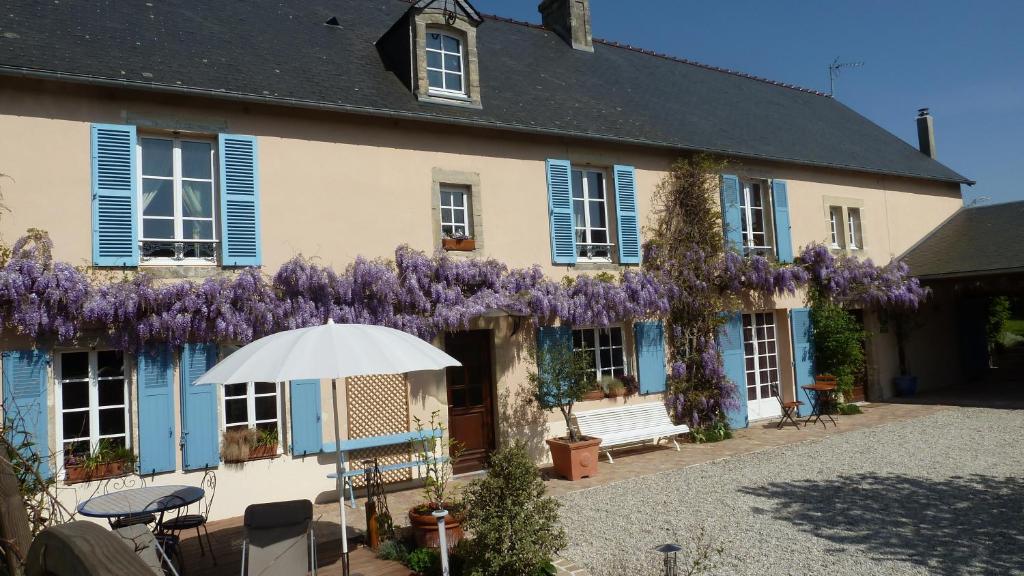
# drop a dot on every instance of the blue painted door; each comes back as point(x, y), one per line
point(803, 355)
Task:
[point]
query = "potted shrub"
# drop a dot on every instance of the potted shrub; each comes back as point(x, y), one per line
point(436, 470)
point(595, 391)
point(265, 445)
point(108, 461)
point(613, 387)
point(458, 242)
point(560, 381)
point(236, 444)
point(631, 384)
point(905, 384)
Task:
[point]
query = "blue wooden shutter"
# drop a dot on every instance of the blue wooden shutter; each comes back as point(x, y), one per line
point(200, 429)
point(24, 374)
point(551, 336)
point(115, 239)
point(783, 236)
point(650, 356)
point(731, 220)
point(563, 224)
point(628, 220)
point(239, 201)
point(803, 360)
point(306, 417)
point(156, 410)
point(730, 341)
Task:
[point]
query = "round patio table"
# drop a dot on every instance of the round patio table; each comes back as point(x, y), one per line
point(138, 501)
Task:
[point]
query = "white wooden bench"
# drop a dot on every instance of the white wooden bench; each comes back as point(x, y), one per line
point(630, 424)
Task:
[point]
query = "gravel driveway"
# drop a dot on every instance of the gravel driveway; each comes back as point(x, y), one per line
point(942, 494)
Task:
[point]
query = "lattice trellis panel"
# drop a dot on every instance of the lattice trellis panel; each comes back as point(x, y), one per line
point(378, 406)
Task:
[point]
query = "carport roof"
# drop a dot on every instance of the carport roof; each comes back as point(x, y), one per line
point(973, 242)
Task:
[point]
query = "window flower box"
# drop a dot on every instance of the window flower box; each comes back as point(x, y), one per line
point(458, 244)
point(79, 473)
point(244, 444)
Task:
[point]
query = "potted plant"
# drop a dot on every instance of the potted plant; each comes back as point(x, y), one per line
point(265, 445)
point(236, 444)
point(108, 461)
point(630, 383)
point(458, 242)
point(436, 470)
point(595, 391)
point(613, 387)
point(560, 381)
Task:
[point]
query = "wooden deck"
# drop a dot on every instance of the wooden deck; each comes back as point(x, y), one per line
point(226, 536)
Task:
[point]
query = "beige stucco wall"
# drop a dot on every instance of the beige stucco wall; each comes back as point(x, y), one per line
point(335, 187)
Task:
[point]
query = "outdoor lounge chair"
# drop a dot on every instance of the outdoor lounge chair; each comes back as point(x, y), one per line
point(147, 548)
point(789, 408)
point(279, 539)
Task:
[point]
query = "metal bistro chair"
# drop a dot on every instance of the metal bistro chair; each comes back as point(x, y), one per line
point(129, 481)
point(276, 536)
point(789, 408)
point(198, 520)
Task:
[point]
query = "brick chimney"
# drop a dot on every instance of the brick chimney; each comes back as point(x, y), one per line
point(925, 132)
point(570, 19)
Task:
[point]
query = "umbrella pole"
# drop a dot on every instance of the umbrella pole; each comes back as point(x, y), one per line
point(341, 480)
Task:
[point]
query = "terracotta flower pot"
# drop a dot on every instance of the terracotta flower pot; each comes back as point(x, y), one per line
point(424, 527)
point(574, 460)
point(458, 244)
point(594, 395)
point(267, 451)
point(616, 393)
point(79, 473)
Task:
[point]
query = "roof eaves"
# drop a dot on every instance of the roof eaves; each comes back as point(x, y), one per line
point(6, 70)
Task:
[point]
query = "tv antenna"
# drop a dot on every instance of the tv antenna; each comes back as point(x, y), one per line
point(833, 73)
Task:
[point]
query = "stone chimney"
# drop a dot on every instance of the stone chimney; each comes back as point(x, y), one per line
point(925, 132)
point(570, 19)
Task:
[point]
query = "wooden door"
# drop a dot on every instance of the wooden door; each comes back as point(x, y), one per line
point(471, 397)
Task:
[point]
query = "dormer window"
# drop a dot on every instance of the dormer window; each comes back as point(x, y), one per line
point(445, 64)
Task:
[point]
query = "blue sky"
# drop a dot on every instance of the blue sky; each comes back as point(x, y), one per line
point(964, 60)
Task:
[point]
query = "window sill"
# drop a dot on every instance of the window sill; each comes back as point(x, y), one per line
point(259, 453)
point(449, 100)
point(179, 271)
point(79, 475)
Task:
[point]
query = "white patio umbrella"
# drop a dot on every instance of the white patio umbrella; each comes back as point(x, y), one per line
point(329, 351)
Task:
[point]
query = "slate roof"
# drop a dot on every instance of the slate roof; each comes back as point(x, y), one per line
point(531, 81)
point(974, 241)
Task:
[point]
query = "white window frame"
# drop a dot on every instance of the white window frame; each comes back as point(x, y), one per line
point(747, 231)
point(465, 193)
point(585, 250)
point(592, 337)
point(756, 355)
point(854, 233)
point(444, 90)
point(179, 220)
point(250, 409)
point(835, 216)
point(94, 399)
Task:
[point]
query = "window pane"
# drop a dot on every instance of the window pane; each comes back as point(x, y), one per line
point(157, 197)
point(453, 63)
point(577, 184)
point(157, 157)
point(75, 395)
point(616, 336)
point(235, 390)
point(751, 393)
point(599, 236)
point(265, 388)
point(79, 449)
point(433, 59)
point(266, 408)
point(606, 357)
point(76, 425)
point(453, 82)
point(446, 198)
point(458, 199)
point(595, 185)
point(459, 216)
point(197, 199)
point(617, 359)
point(158, 229)
point(434, 41)
point(74, 365)
point(111, 392)
point(111, 421)
point(195, 160)
point(110, 363)
point(451, 44)
point(235, 411)
point(197, 229)
point(604, 338)
point(578, 213)
point(597, 214)
point(435, 79)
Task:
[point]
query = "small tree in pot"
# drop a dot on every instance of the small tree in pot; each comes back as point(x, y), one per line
point(561, 380)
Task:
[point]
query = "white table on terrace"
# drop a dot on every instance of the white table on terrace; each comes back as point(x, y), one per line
point(144, 500)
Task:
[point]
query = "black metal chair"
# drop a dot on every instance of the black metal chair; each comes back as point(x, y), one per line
point(197, 521)
point(127, 482)
point(789, 408)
